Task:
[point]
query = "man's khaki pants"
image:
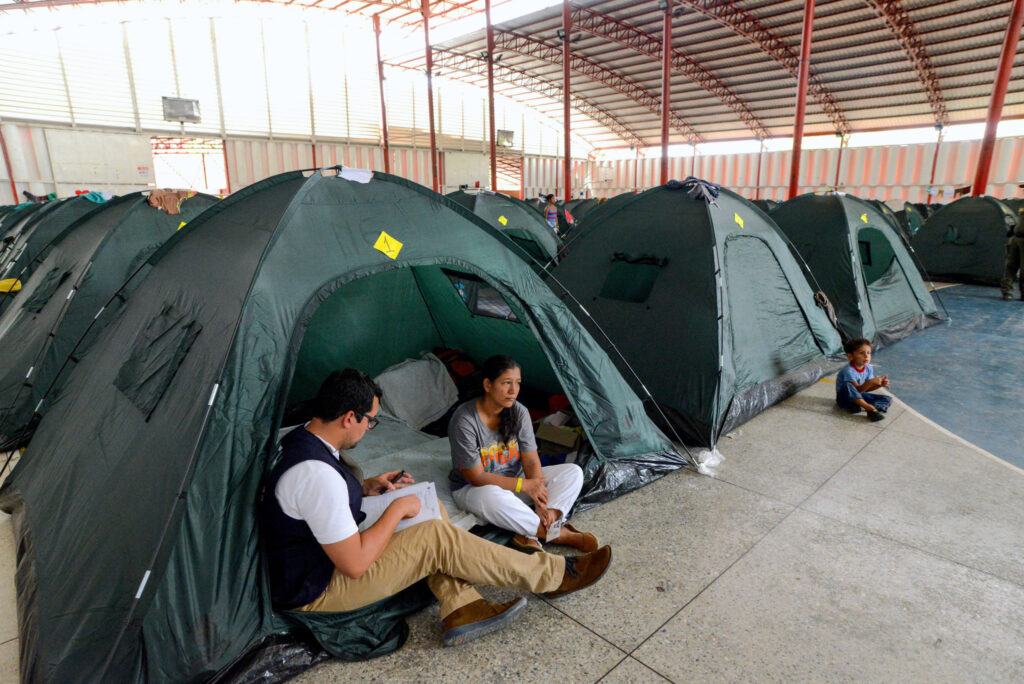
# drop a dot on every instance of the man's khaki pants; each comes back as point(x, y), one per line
point(451, 558)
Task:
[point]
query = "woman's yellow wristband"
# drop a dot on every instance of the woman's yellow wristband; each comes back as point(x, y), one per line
point(519, 484)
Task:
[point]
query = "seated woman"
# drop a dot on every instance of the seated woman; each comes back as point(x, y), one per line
point(497, 472)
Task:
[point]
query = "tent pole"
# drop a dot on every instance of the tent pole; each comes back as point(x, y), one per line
point(935, 163)
point(995, 105)
point(10, 169)
point(430, 95)
point(383, 106)
point(567, 167)
point(801, 98)
point(490, 94)
point(666, 85)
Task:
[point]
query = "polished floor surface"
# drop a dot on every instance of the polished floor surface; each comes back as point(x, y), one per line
point(824, 548)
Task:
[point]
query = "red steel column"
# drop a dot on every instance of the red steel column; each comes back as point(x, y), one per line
point(490, 94)
point(935, 163)
point(430, 96)
point(995, 105)
point(383, 106)
point(567, 164)
point(839, 162)
point(801, 98)
point(7, 163)
point(666, 86)
point(760, 157)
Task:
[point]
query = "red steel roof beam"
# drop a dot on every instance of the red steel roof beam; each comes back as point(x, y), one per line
point(742, 22)
point(472, 64)
point(801, 97)
point(538, 49)
point(566, 60)
point(901, 25)
point(430, 96)
point(995, 105)
point(383, 104)
point(666, 85)
point(630, 36)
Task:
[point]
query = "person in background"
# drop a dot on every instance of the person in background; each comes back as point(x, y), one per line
point(497, 473)
point(856, 380)
point(1014, 268)
point(551, 212)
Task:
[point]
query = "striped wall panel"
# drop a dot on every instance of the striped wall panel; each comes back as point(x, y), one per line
point(886, 173)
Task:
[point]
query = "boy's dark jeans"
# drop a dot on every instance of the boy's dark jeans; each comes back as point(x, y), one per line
point(847, 395)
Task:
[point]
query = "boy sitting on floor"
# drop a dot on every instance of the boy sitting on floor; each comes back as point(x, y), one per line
point(856, 380)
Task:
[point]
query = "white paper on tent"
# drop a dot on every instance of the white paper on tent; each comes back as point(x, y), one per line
point(374, 506)
point(356, 175)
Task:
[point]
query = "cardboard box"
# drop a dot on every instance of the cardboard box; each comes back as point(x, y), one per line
point(563, 439)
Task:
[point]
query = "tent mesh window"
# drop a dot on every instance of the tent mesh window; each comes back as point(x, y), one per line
point(157, 353)
point(865, 252)
point(50, 283)
point(479, 297)
point(631, 278)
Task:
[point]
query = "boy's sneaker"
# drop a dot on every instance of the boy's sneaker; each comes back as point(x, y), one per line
point(875, 416)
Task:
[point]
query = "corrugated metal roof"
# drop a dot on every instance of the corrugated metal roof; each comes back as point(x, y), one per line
point(734, 64)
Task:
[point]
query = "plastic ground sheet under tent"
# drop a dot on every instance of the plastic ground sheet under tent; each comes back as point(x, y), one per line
point(135, 502)
point(861, 263)
point(515, 218)
point(706, 303)
point(965, 240)
point(71, 283)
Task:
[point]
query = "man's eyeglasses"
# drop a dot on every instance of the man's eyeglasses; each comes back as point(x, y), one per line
point(372, 421)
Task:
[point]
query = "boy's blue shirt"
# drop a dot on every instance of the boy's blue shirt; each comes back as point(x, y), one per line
point(849, 374)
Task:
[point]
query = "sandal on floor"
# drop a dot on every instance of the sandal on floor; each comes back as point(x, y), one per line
point(524, 544)
point(590, 543)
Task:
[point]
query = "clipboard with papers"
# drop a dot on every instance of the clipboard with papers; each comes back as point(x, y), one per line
point(430, 509)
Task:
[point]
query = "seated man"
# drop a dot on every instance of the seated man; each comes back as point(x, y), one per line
point(319, 560)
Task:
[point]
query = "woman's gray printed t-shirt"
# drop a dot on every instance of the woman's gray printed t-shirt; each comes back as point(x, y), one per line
point(473, 443)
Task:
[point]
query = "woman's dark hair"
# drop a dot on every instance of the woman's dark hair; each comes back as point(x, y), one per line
point(343, 391)
point(548, 198)
point(492, 370)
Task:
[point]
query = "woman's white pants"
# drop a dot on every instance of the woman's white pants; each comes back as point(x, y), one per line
point(514, 512)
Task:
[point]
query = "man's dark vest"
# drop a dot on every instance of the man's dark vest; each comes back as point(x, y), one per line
point(299, 569)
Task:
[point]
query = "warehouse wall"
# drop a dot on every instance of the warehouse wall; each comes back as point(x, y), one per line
point(885, 173)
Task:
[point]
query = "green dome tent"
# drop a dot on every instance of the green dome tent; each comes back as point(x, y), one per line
point(13, 218)
point(579, 208)
point(861, 264)
point(71, 282)
point(892, 218)
point(911, 218)
point(34, 237)
point(608, 206)
point(564, 225)
point(135, 501)
point(705, 302)
point(965, 240)
point(514, 218)
point(765, 205)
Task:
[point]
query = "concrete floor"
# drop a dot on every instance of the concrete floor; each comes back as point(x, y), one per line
point(825, 548)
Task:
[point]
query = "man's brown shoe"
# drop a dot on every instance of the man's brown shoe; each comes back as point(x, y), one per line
point(478, 618)
point(582, 571)
point(525, 544)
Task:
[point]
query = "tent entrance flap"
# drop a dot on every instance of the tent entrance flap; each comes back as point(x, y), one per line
point(382, 319)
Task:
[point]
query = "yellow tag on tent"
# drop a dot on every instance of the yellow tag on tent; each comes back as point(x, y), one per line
point(502, 220)
point(738, 219)
point(10, 285)
point(389, 245)
point(182, 224)
point(864, 218)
